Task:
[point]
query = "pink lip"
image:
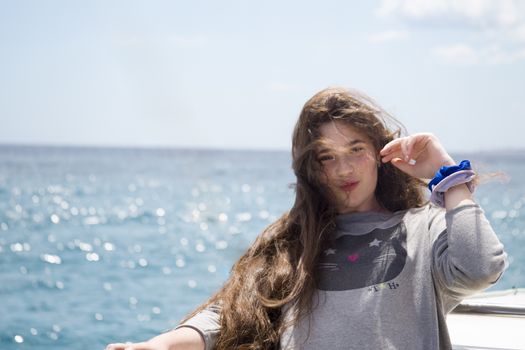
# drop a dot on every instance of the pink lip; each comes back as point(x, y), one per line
point(349, 186)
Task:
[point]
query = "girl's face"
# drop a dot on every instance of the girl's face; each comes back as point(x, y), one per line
point(349, 165)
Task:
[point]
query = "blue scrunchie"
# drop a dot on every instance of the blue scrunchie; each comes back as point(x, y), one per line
point(445, 171)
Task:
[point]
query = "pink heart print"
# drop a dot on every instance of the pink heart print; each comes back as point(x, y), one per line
point(353, 257)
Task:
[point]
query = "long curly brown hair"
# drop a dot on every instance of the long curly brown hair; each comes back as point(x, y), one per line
point(279, 267)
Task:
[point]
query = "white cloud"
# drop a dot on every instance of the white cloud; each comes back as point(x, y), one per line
point(488, 25)
point(502, 13)
point(456, 54)
point(463, 54)
point(518, 33)
point(389, 35)
point(497, 55)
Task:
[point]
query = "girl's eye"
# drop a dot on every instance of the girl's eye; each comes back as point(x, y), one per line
point(325, 158)
point(357, 149)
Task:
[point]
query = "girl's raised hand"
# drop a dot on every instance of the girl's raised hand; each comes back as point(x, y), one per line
point(419, 155)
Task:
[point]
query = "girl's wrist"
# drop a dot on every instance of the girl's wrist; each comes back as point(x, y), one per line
point(457, 195)
point(447, 162)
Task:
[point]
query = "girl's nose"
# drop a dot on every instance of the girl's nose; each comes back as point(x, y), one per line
point(344, 166)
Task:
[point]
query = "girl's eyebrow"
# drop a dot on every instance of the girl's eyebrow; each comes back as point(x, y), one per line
point(349, 144)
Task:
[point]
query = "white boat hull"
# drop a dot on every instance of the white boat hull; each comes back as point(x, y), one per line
point(492, 320)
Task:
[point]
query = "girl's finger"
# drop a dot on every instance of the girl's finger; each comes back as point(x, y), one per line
point(404, 148)
point(391, 150)
point(401, 165)
point(390, 147)
point(411, 157)
point(394, 154)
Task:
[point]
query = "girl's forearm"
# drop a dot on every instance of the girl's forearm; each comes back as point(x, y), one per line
point(457, 195)
point(184, 338)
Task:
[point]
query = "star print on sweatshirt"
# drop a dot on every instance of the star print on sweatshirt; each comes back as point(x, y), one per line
point(364, 260)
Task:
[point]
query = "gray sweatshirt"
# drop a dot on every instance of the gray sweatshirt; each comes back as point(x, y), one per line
point(388, 280)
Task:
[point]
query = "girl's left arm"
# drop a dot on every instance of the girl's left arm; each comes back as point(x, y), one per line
point(467, 256)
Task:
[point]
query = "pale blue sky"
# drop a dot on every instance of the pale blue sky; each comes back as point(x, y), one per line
point(235, 74)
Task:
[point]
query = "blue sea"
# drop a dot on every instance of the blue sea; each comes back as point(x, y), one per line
point(101, 245)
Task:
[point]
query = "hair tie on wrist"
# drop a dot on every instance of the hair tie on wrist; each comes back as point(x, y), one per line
point(445, 171)
point(450, 176)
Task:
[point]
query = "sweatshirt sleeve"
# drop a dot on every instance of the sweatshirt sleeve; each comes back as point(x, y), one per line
point(207, 323)
point(467, 256)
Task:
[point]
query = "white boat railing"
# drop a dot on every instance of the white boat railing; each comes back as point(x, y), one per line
point(489, 308)
point(504, 302)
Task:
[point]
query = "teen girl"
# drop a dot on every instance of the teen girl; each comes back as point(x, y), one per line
point(363, 260)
